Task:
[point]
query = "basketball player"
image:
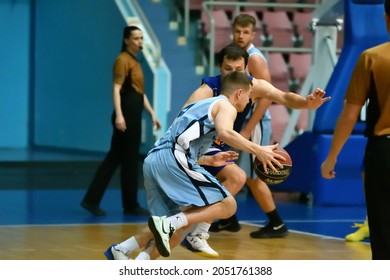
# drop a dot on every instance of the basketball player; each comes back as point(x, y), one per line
point(174, 178)
point(370, 81)
point(235, 58)
point(257, 128)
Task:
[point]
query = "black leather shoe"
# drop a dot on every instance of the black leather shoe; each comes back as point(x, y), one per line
point(139, 211)
point(94, 209)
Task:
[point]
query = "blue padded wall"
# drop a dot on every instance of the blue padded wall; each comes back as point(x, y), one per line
point(364, 28)
point(308, 152)
point(15, 25)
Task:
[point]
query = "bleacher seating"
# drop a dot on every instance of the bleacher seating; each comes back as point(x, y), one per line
point(228, 8)
point(279, 71)
point(279, 28)
point(223, 29)
point(307, 2)
point(278, 25)
point(288, 69)
point(300, 65)
point(279, 120)
point(301, 22)
point(286, 9)
point(257, 9)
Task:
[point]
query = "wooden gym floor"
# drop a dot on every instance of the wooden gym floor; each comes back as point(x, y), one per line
point(41, 218)
point(87, 242)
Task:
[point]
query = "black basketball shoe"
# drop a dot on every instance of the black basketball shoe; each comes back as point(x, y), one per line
point(229, 224)
point(270, 231)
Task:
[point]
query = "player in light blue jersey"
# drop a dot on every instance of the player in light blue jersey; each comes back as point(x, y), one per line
point(180, 191)
point(258, 129)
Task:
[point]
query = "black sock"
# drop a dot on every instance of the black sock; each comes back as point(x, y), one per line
point(274, 218)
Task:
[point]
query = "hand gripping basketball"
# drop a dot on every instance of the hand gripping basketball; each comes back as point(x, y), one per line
point(273, 177)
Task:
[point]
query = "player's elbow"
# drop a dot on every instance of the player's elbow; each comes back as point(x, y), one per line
point(225, 136)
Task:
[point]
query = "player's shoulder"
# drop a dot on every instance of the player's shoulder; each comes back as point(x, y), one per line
point(211, 79)
point(253, 50)
point(258, 58)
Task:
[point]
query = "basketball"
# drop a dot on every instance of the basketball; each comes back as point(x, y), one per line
point(273, 178)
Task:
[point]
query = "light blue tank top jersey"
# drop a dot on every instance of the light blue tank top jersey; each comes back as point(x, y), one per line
point(252, 50)
point(193, 130)
point(215, 84)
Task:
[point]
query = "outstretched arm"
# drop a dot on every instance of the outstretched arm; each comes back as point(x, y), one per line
point(262, 88)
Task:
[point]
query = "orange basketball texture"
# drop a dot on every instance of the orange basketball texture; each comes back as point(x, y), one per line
point(273, 178)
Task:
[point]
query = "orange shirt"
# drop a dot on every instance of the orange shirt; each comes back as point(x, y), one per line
point(128, 73)
point(371, 80)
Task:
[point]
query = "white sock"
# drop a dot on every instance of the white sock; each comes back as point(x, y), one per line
point(199, 228)
point(142, 256)
point(128, 245)
point(178, 220)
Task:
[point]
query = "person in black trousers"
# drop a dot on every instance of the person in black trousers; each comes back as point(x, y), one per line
point(129, 100)
point(370, 82)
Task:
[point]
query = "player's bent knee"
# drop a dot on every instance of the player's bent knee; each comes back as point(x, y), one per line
point(233, 178)
point(240, 177)
point(230, 207)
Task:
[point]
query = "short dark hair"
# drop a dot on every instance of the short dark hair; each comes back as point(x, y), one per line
point(387, 7)
point(233, 52)
point(234, 80)
point(127, 33)
point(244, 20)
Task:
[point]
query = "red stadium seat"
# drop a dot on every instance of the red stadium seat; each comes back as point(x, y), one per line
point(223, 29)
point(228, 8)
point(301, 22)
point(279, 71)
point(278, 25)
point(279, 120)
point(300, 63)
point(254, 8)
